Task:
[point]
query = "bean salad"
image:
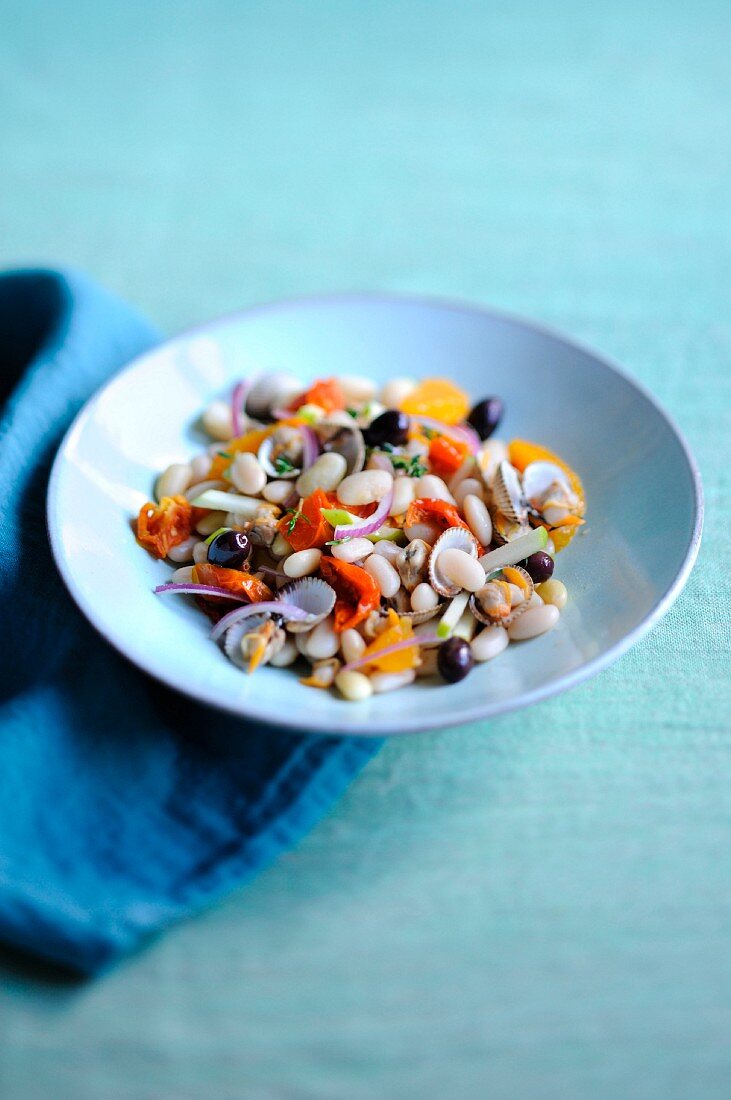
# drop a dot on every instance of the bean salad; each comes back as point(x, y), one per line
point(364, 536)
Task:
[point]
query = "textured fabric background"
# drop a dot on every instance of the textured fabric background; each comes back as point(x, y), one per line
point(541, 906)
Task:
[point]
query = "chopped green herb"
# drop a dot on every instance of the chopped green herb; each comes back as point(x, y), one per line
point(282, 465)
point(225, 454)
point(413, 466)
point(428, 432)
point(353, 412)
point(295, 514)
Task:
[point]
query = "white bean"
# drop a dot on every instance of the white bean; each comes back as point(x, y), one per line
point(385, 575)
point(276, 492)
point(184, 550)
point(247, 474)
point(211, 523)
point(217, 420)
point(489, 642)
point(352, 645)
point(404, 491)
point(424, 598)
point(300, 641)
point(395, 390)
point(200, 552)
point(287, 655)
point(322, 641)
point(388, 550)
point(280, 548)
point(536, 601)
point(434, 488)
point(462, 569)
point(478, 519)
point(173, 481)
point(353, 685)
point(200, 467)
point(463, 471)
point(553, 592)
point(534, 621)
point(365, 487)
point(303, 563)
point(183, 575)
point(391, 681)
point(550, 547)
point(357, 389)
point(352, 550)
point(469, 487)
point(325, 473)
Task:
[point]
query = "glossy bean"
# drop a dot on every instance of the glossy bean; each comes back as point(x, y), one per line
point(287, 655)
point(353, 685)
point(302, 564)
point(200, 467)
point(384, 575)
point(470, 486)
point(173, 481)
point(534, 621)
point(184, 575)
point(352, 645)
point(553, 592)
point(276, 492)
point(247, 474)
point(322, 641)
point(478, 518)
point(434, 488)
point(325, 473)
point(462, 569)
point(217, 420)
point(352, 550)
point(404, 491)
point(424, 598)
point(391, 681)
point(489, 642)
point(395, 390)
point(184, 551)
point(365, 487)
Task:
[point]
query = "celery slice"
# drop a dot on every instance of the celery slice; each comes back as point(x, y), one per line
point(452, 615)
point(513, 552)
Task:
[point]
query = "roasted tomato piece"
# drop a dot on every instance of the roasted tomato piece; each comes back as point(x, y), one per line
point(164, 525)
point(356, 591)
point(446, 456)
point(233, 580)
point(307, 527)
point(327, 393)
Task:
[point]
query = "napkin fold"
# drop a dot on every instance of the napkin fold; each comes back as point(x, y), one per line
point(123, 807)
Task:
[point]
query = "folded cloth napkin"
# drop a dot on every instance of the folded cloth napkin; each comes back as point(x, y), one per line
point(123, 807)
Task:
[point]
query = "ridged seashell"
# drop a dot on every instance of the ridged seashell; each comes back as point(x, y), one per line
point(314, 596)
point(254, 627)
point(507, 493)
point(491, 454)
point(344, 439)
point(454, 538)
point(492, 606)
point(413, 563)
point(286, 443)
point(505, 530)
point(542, 480)
point(271, 391)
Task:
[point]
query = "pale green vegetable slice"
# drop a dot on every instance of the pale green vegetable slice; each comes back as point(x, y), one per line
point(513, 552)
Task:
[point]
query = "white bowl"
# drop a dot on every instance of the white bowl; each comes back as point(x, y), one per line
point(622, 571)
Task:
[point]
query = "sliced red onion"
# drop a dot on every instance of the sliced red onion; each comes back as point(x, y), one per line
point(460, 432)
point(282, 414)
point(276, 607)
point(310, 446)
point(198, 590)
point(370, 524)
point(238, 399)
point(407, 643)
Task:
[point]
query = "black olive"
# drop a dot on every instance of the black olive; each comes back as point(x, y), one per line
point(454, 659)
point(539, 566)
point(391, 427)
point(486, 415)
point(230, 549)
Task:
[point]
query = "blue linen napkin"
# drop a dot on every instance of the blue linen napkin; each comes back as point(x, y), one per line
point(123, 807)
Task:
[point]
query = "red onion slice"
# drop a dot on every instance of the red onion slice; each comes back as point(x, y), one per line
point(463, 433)
point(407, 643)
point(369, 525)
point(277, 607)
point(198, 590)
point(310, 446)
point(238, 399)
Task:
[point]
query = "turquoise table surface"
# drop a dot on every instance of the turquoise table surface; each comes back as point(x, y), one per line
point(541, 906)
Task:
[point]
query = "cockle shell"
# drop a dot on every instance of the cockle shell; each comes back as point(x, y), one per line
point(413, 563)
point(271, 391)
point(344, 439)
point(284, 441)
point(492, 603)
point(454, 538)
point(508, 495)
point(314, 596)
